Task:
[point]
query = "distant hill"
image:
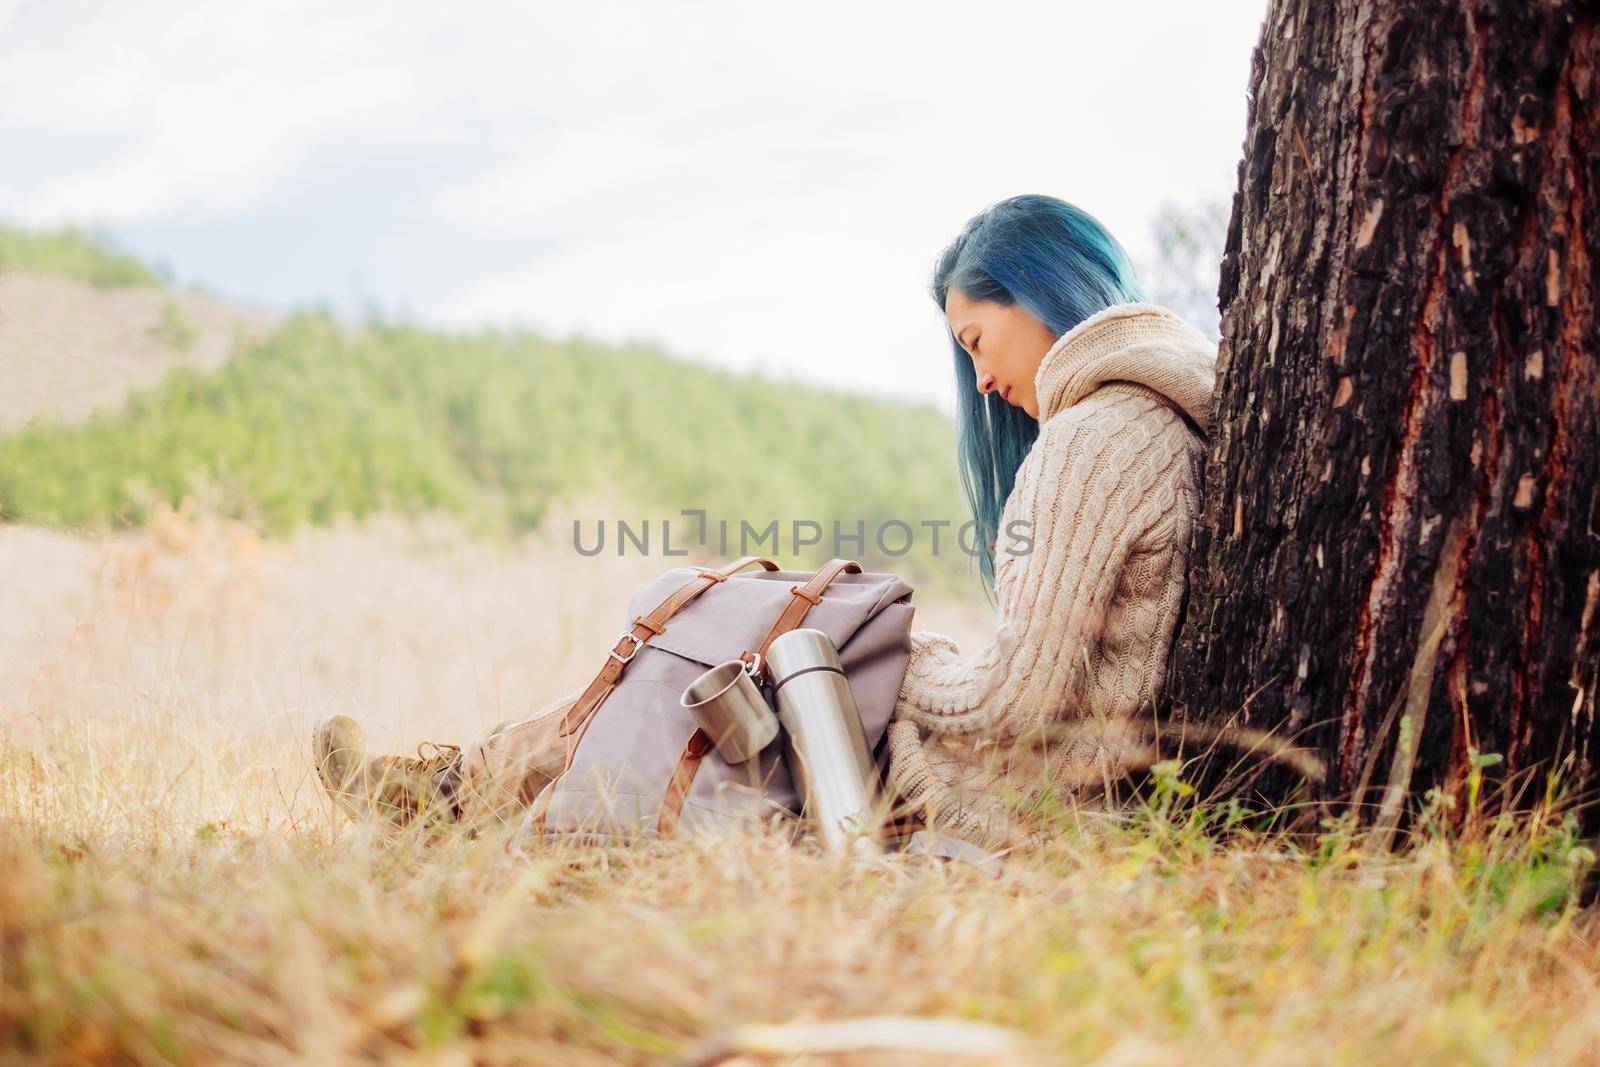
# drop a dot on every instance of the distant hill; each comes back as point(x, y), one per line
point(311, 419)
point(82, 323)
point(68, 348)
point(76, 254)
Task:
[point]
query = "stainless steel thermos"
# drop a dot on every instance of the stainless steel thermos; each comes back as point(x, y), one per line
point(825, 743)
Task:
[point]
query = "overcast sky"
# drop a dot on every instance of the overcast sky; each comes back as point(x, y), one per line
point(751, 184)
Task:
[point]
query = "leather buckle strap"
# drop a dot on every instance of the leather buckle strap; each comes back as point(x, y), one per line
point(643, 622)
point(627, 635)
point(644, 627)
point(806, 597)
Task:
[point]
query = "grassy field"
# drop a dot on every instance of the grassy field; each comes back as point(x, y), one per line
point(376, 522)
point(178, 891)
point(172, 938)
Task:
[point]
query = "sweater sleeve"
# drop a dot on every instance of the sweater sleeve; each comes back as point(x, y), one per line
point(1088, 490)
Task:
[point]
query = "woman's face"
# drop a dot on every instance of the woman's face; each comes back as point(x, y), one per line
point(1006, 343)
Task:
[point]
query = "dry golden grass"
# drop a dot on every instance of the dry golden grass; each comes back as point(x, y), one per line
point(176, 889)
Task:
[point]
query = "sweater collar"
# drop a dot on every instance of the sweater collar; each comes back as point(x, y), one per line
point(1134, 342)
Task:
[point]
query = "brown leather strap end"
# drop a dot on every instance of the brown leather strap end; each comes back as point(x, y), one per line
point(682, 779)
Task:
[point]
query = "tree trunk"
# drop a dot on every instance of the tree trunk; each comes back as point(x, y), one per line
point(1399, 560)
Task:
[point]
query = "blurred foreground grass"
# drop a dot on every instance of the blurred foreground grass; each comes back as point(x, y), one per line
point(135, 930)
point(177, 890)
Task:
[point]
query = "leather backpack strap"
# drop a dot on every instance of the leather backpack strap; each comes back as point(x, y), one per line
point(643, 628)
point(697, 748)
point(578, 717)
point(805, 598)
point(699, 745)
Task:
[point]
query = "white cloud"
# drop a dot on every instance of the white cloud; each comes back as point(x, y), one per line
point(752, 184)
point(194, 110)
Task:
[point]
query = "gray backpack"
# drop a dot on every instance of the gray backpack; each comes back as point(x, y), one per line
point(638, 764)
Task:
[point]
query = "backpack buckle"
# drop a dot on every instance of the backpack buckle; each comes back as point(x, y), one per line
point(627, 635)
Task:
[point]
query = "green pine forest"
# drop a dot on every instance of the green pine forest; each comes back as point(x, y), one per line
point(321, 420)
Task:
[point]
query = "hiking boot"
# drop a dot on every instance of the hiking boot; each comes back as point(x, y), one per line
point(398, 788)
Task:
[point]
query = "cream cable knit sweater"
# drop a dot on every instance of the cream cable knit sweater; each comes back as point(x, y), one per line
point(1111, 488)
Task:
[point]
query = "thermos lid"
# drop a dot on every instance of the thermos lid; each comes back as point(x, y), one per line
point(799, 650)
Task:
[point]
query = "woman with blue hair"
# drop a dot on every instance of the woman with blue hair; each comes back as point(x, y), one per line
point(1083, 411)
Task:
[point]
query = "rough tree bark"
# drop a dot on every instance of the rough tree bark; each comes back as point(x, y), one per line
point(1399, 560)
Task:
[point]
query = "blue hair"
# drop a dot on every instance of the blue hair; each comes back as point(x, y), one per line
point(1062, 266)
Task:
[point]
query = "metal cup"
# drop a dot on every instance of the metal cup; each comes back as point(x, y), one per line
point(731, 710)
point(826, 743)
